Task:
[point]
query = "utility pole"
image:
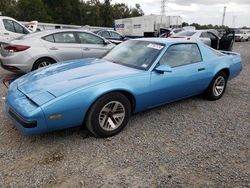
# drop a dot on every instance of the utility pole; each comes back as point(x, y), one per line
point(224, 15)
point(163, 7)
point(163, 13)
point(233, 24)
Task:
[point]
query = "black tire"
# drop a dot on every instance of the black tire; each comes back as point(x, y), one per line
point(38, 62)
point(93, 116)
point(210, 93)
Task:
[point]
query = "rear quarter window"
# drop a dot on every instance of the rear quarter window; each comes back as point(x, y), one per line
point(49, 38)
point(215, 52)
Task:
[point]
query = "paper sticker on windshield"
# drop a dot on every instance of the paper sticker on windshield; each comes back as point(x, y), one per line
point(155, 46)
point(144, 65)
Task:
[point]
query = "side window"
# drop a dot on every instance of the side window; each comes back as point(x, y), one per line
point(19, 28)
point(181, 54)
point(87, 38)
point(211, 36)
point(104, 34)
point(9, 26)
point(204, 35)
point(66, 37)
point(115, 35)
point(49, 38)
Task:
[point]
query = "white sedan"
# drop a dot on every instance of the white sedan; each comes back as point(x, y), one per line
point(209, 37)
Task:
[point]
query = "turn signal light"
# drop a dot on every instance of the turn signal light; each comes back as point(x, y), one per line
point(56, 116)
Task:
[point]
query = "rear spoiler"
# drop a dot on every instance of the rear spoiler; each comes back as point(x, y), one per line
point(229, 53)
point(8, 80)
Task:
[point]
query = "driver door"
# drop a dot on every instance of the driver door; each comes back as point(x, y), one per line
point(188, 76)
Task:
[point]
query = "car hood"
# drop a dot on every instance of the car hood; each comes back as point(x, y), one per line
point(64, 77)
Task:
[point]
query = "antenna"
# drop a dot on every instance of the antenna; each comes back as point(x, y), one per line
point(163, 7)
point(224, 15)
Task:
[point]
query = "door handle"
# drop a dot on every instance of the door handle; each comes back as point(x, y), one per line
point(6, 34)
point(86, 49)
point(53, 48)
point(201, 69)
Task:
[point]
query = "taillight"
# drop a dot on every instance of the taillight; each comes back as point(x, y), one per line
point(16, 48)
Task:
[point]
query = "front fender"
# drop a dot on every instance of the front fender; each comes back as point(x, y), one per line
point(73, 107)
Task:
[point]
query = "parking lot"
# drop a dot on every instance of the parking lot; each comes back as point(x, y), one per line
point(191, 143)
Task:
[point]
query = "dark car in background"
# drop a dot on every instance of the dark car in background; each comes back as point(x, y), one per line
point(111, 35)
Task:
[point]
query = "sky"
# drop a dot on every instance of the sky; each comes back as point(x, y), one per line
point(199, 11)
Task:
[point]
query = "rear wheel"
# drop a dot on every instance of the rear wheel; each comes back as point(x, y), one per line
point(43, 62)
point(217, 87)
point(109, 115)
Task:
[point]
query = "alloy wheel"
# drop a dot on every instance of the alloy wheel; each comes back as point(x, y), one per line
point(112, 115)
point(219, 86)
point(44, 64)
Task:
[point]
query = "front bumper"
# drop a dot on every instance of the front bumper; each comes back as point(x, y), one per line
point(28, 118)
point(21, 121)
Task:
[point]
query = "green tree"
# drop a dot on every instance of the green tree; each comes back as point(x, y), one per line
point(64, 11)
point(91, 13)
point(137, 11)
point(120, 10)
point(184, 24)
point(78, 12)
point(32, 10)
point(106, 13)
point(8, 7)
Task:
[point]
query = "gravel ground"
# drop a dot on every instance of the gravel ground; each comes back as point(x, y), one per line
point(191, 143)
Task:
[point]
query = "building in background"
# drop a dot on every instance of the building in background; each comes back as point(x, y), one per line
point(146, 26)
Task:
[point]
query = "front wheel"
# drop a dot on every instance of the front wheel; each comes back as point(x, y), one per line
point(217, 87)
point(108, 115)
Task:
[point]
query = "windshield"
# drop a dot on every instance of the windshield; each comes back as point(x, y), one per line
point(185, 33)
point(133, 53)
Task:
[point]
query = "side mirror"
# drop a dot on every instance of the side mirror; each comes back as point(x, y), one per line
point(163, 68)
point(106, 42)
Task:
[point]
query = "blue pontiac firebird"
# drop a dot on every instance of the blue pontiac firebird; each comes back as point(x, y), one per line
point(102, 93)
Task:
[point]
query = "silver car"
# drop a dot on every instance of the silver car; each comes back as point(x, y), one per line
point(41, 49)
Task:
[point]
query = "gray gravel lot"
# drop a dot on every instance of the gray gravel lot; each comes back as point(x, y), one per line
point(191, 143)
